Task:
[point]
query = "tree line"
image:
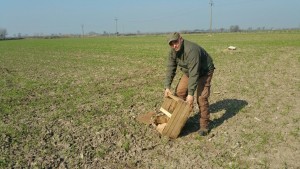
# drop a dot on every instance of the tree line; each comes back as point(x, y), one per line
point(232, 28)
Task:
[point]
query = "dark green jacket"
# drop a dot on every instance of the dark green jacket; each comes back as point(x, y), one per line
point(192, 60)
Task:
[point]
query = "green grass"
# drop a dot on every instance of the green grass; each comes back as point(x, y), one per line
point(55, 94)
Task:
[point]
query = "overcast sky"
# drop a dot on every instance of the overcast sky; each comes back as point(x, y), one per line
point(68, 16)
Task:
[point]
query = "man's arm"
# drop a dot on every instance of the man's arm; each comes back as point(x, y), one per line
point(171, 70)
point(194, 67)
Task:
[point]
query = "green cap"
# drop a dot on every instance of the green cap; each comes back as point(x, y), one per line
point(173, 36)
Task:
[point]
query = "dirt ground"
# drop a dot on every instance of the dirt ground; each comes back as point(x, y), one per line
point(130, 144)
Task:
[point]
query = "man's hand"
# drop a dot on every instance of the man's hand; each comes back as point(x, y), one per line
point(190, 100)
point(167, 92)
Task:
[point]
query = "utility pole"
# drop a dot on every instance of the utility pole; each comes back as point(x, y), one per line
point(82, 29)
point(116, 19)
point(211, 4)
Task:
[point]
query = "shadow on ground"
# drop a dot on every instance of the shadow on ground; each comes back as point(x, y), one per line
point(231, 107)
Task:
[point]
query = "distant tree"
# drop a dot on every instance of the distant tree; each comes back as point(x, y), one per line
point(197, 30)
point(3, 33)
point(234, 28)
point(92, 33)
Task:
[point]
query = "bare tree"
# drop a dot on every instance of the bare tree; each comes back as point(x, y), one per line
point(3, 33)
point(235, 28)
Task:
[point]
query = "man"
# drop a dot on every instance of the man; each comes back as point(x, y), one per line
point(197, 67)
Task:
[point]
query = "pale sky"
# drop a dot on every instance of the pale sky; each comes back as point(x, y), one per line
point(67, 16)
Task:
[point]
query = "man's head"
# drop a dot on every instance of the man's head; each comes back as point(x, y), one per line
point(175, 41)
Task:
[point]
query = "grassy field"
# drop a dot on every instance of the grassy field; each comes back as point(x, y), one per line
point(72, 103)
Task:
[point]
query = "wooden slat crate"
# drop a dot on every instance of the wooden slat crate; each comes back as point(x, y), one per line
point(178, 111)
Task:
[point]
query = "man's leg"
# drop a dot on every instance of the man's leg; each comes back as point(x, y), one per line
point(203, 92)
point(182, 87)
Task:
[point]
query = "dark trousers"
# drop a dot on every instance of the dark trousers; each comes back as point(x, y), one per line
point(203, 92)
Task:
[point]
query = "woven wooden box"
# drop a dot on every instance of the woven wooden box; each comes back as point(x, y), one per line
point(178, 111)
